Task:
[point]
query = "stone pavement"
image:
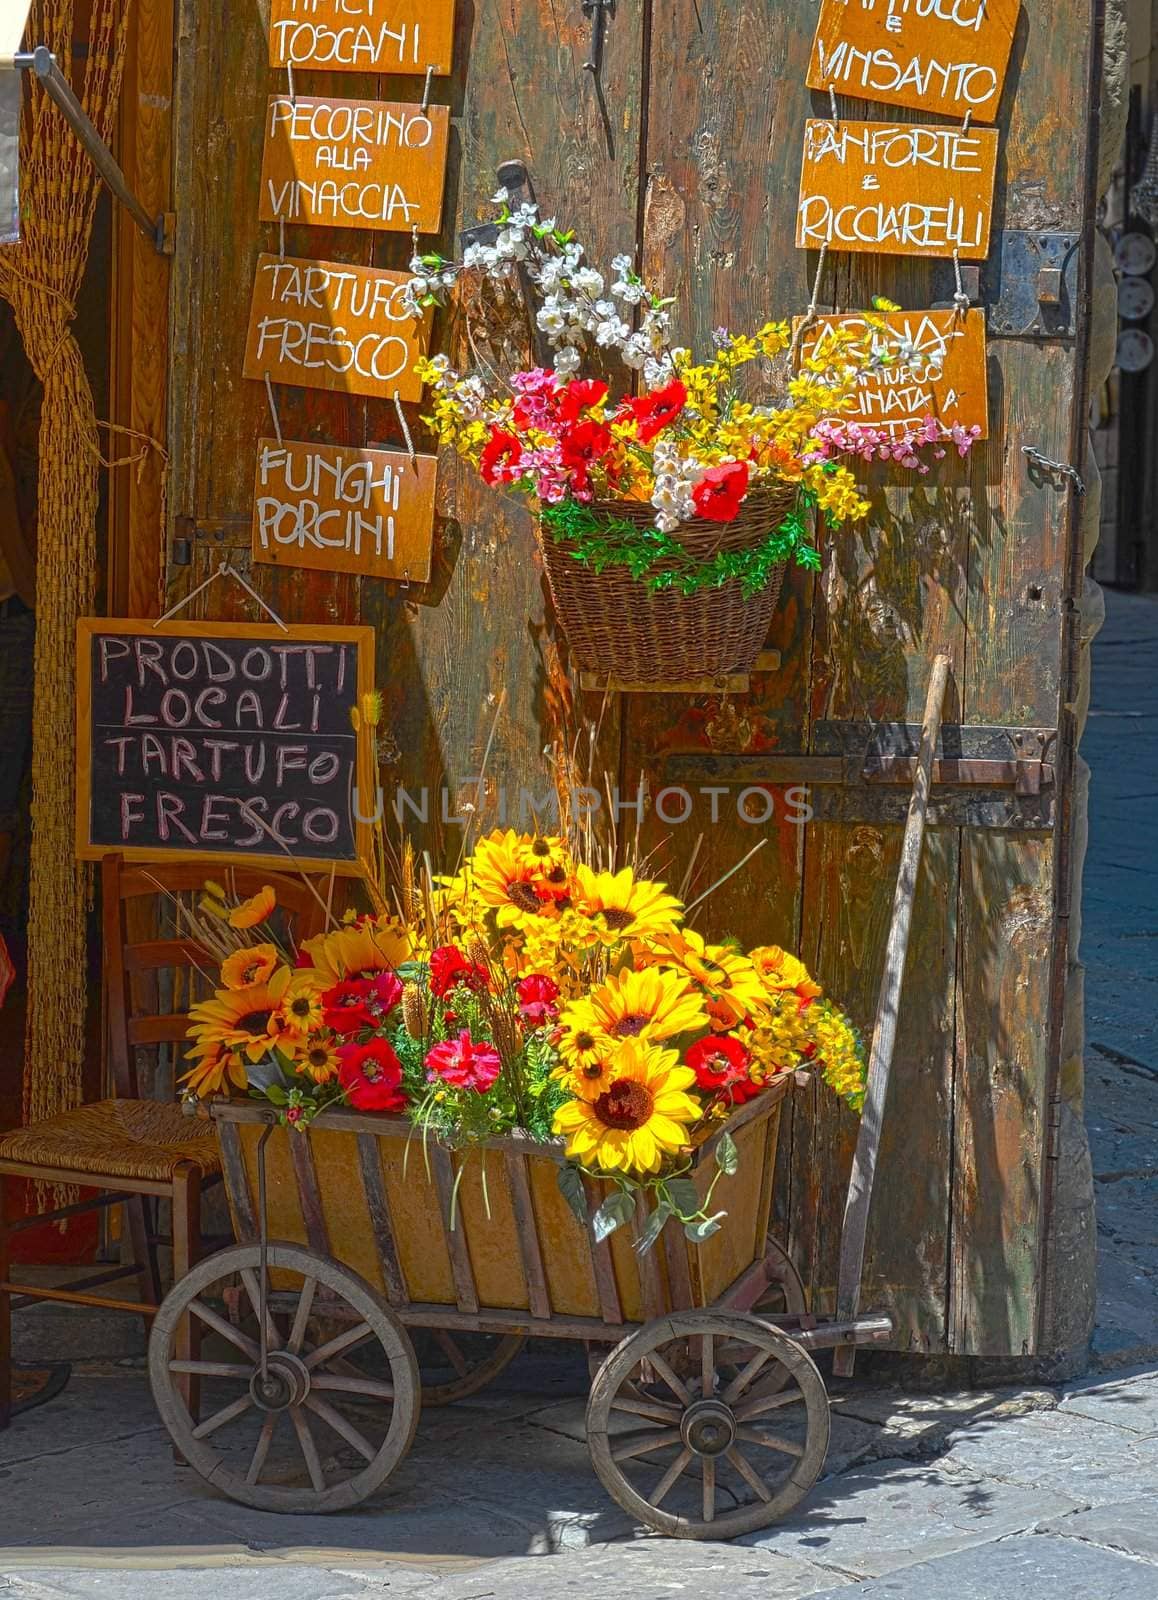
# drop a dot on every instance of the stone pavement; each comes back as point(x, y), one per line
point(1031, 1493)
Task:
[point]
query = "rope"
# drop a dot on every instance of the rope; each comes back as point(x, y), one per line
point(225, 570)
point(810, 315)
point(272, 407)
point(426, 87)
point(961, 301)
point(1048, 465)
point(404, 425)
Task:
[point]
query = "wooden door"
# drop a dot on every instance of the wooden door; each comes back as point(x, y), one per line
point(686, 148)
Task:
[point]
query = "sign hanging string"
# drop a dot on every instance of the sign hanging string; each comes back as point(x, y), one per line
point(810, 315)
point(225, 570)
point(426, 87)
point(272, 407)
point(404, 425)
point(289, 72)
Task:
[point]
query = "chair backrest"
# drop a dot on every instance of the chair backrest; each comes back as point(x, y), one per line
point(134, 966)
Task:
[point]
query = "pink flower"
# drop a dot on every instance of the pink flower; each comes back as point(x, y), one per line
point(537, 995)
point(464, 1064)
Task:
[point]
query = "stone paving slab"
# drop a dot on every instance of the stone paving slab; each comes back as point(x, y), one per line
point(1064, 1454)
point(223, 1583)
point(1033, 1568)
point(921, 1423)
point(897, 1513)
point(1129, 1401)
point(1128, 1525)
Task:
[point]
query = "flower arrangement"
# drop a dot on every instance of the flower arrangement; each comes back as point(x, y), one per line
point(524, 990)
point(699, 441)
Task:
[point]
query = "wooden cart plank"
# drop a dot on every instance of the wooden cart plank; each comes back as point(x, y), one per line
point(309, 1195)
point(609, 1303)
point(369, 1160)
point(237, 1181)
point(453, 1230)
point(528, 1234)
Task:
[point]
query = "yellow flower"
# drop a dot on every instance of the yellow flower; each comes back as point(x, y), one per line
point(581, 1047)
point(301, 1010)
point(780, 970)
point(212, 887)
point(254, 910)
point(375, 944)
point(651, 1004)
point(639, 1119)
point(730, 985)
point(588, 1080)
point(623, 907)
point(244, 1021)
point(215, 1073)
point(503, 878)
point(318, 1058)
point(252, 965)
point(371, 707)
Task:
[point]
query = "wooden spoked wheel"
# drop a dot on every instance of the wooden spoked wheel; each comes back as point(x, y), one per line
point(784, 1296)
point(335, 1409)
point(698, 1451)
point(453, 1365)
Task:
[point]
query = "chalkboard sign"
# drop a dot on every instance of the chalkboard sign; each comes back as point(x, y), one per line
point(230, 740)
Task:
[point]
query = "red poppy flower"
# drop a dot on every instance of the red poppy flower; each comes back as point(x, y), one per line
point(578, 396)
point(721, 1065)
point(721, 489)
point(537, 995)
point(464, 1064)
point(371, 1075)
point(346, 1007)
point(449, 966)
point(655, 411)
point(383, 993)
point(584, 443)
point(497, 462)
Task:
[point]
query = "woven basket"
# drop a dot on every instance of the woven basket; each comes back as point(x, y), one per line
point(617, 626)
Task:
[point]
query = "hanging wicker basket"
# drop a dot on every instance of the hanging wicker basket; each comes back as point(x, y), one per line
point(618, 626)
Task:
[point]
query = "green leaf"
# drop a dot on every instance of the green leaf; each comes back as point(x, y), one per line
point(727, 1156)
point(697, 1232)
point(653, 1228)
point(616, 1210)
point(684, 1196)
point(571, 1188)
point(276, 1095)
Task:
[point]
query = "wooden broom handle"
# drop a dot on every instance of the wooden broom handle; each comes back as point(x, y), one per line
point(860, 1187)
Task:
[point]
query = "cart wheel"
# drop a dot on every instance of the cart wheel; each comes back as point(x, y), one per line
point(785, 1296)
point(259, 1438)
point(453, 1365)
point(688, 1455)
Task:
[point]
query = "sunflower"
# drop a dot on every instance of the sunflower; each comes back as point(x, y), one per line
point(246, 1022)
point(580, 1046)
point(730, 985)
point(651, 1004)
point(551, 867)
point(639, 1119)
point(301, 1010)
point(624, 907)
point(252, 965)
point(215, 1072)
point(318, 1057)
point(504, 879)
point(254, 910)
point(587, 1079)
point(780, 970)
point(373, 945)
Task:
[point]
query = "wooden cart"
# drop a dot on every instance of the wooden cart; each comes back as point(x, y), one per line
point(357, 1240)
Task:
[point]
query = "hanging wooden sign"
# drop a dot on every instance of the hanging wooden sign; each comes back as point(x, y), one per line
point(322, 325)
point(223, 739)
point(897, 189)
point(362, 35)
point(946, 56)
point(354, 164)
point(940, 371)
point(337, 508)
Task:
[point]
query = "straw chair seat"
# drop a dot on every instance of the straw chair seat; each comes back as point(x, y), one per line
point(117, 1139)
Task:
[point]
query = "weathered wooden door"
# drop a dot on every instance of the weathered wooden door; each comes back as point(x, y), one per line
point(685, 148)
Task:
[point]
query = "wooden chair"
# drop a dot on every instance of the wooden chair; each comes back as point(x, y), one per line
point(129, 1148)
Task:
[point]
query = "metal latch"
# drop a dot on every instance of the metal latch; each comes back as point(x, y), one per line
point(1028, 285)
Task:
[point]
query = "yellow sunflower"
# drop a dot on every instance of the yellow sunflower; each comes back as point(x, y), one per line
point(652, 1004)
point(375, 944)
point(254, 910)
point(246, 1021)
point(780, 970)
point(252, 965)
point(503, 877)
point(580, 1046)
point(301, 1010)
point(553, 874)
point(624, 907)
point(639, 1119)
point(588, 1080)
point(730, 985)
point(214, 1073)
point(318, 1057)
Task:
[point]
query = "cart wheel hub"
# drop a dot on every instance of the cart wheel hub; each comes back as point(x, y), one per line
point(708, 1427)
point(286, 1382)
